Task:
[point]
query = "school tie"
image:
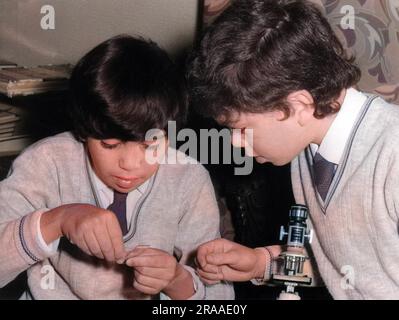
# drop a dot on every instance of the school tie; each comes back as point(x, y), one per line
point(119, 208)
point(323, 171)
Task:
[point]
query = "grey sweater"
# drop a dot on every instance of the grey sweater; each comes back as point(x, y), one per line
point(177, 213)
point(356, 243)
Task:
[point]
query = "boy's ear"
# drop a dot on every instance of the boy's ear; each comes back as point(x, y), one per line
point(302, 105)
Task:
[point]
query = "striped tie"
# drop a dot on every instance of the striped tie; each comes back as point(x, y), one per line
point(119, 208)
point(323, 171)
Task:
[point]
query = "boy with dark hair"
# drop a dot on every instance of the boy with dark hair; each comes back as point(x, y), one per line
point(128, 226)
point(276, 68)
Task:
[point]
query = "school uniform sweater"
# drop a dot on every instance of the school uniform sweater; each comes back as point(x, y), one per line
point(176, 213)
point(356, 241)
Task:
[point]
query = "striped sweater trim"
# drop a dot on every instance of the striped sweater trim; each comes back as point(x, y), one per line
point(23, 242)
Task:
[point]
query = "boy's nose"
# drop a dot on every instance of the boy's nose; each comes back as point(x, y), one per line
point(237, 140)
point(129, 163)
point(244, 139)
point(131, 159)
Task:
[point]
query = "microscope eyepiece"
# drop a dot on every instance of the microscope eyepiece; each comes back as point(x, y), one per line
point(297, 226)
point(299, 212)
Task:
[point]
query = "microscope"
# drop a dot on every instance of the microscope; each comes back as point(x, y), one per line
point(291, 272)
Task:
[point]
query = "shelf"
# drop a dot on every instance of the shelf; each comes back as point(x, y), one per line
point(21, 81)
point(15, 82)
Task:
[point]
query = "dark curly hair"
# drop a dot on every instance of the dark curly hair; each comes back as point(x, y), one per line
point(259, 51)
point(124, 87)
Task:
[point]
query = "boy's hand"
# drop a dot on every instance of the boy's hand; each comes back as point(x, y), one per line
point(156, 270)
point(94, 230)
point(222, 259)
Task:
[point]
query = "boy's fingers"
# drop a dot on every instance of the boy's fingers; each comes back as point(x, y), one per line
point(104, 243)
point(156, 273)
point(93, 245)
point(115, 235)
point(145, 289)
point(153, 261)
point(229, 258)
point(143, 250)
point(202, 252)
point(210, 268)
point(210, 276)
point(130, 262)
point(81, 243)
point(201, 261)
point(212, 247)
point(146, 281)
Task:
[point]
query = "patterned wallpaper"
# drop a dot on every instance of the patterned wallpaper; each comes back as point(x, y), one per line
point(368, 28)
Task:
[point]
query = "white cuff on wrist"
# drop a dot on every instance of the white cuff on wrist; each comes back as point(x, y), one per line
point(48, 249)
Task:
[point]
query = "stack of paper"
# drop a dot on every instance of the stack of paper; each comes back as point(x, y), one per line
point(17, 81)
point(12, 138)
point(8, 120)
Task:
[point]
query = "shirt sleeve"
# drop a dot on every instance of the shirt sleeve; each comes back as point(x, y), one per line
point(48, 249)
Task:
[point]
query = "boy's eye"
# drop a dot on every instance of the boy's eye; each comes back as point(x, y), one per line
point(109, 145)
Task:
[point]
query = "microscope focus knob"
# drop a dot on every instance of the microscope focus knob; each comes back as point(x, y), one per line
point(283, 233)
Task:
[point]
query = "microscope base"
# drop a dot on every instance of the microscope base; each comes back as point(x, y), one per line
point(288, 296)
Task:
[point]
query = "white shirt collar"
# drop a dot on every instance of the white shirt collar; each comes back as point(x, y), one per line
point(333, 145)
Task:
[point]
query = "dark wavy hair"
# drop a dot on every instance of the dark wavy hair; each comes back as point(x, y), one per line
point(124, 87)
point(259, 51)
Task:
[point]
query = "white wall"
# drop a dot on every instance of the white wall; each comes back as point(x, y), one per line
point(82, 24)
